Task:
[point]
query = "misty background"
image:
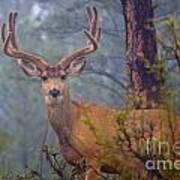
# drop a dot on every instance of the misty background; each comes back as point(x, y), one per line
point(53, 28)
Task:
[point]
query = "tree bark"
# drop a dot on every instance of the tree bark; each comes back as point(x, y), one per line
point(141, 52)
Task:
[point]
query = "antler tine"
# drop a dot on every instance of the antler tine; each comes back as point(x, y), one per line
point(6, 44)
point(3, 34)
point(11, 48)
point(12, 28)
point(95, 30)
point(11, 14)
point(93, 35)
point(90, 17)
point(89, 12)
point(94, 21)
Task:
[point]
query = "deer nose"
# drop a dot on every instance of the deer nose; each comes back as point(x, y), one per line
point(54, 92)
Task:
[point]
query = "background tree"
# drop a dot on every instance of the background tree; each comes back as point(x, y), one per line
point(141, 50)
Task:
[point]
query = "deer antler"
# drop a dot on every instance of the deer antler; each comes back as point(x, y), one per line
point(11, 48)
point(93, 34)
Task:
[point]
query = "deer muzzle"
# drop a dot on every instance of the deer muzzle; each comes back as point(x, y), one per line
point(54, 93)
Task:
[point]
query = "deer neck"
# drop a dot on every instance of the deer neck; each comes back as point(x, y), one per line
point(61, 118)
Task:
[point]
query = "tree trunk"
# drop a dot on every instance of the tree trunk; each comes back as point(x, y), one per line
point(141, 52)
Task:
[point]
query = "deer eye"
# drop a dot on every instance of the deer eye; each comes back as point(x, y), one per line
point(63, 77)
point(44, 78)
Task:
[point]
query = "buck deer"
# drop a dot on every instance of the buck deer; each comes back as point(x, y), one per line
point(77, 137)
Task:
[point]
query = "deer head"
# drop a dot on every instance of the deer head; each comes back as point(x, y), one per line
point(53, 77)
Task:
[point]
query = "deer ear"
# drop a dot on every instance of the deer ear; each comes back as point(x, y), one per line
point(29, 69)
point(76, 67)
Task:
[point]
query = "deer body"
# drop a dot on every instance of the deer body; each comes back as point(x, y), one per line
point(79, 140)
point(83, 129)
point(66, 118)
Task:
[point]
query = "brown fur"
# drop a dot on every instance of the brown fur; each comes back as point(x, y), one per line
point(78, 127)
